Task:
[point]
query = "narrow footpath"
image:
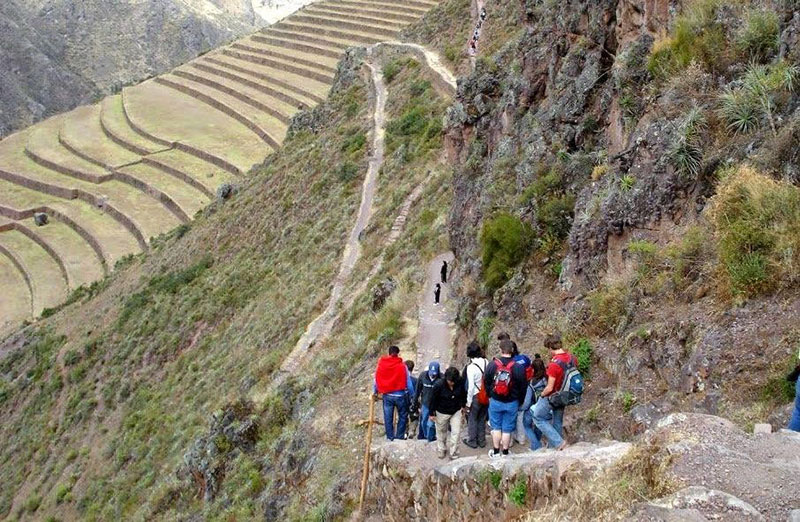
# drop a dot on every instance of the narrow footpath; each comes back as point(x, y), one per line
point(436, 321)
point(321, 327)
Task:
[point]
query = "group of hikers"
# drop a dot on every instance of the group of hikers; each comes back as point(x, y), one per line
point(522, 397)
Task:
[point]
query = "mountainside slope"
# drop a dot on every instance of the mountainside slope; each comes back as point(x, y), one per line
point(121, 172)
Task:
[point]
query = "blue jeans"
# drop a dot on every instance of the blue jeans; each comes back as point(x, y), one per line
point(427, 429)
point(390, 402)
point(794, 424)
point(533, 433)
point(549, 421)
point(503, 415)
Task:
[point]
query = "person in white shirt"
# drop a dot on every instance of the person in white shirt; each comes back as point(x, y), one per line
point(477, 413)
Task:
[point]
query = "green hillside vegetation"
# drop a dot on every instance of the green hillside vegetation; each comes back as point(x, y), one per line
point(120, 383)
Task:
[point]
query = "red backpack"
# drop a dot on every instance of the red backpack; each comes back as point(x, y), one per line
point(502, 377)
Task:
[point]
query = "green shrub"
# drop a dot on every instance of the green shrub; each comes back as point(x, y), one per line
point(686, 150)
point(757, 225)
point(451, 53)
point(485, 327)
point(627, 182)
point(347, 172)
point(628, 400)
point(72, 357)
point(354, 144)
point(582, 350)
point(697, 37)
point(33, 503)
point(492, 476)
point(555, 215)
point(391, 70)
point(518, 493)
point(607, 305)
point(758, 37)
point(505, 241)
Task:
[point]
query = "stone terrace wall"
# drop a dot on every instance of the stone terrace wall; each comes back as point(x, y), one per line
point(408, 481)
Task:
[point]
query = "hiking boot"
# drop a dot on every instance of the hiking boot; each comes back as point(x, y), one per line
point(470, 444)
point(441, 454)
point(454, 456)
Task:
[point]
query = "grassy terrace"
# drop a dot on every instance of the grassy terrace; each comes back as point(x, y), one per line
point(117, 173)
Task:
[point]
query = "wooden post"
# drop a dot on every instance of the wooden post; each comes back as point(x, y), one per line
point(365, 474)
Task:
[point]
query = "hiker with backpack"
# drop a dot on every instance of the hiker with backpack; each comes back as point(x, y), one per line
point(425, 383)
point(505, 382)
point(564, 387)
point(448, 399)
point(536, 385)
point(393, 381)
point(477, 398)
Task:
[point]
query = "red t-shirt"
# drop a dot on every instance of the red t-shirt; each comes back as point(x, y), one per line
point(555, 371)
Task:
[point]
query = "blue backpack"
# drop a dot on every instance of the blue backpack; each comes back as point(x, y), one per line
point(571, 390)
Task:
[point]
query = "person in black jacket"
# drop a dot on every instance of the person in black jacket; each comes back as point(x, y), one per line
point(427, 379)
point(505, 381)
point(448, 399)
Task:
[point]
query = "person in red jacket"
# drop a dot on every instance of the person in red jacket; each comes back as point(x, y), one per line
point(393, 381)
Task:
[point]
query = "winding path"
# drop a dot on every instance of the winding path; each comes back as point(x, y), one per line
point(435, 328)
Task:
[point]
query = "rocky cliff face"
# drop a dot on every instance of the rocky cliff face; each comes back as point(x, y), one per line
point(58, 54)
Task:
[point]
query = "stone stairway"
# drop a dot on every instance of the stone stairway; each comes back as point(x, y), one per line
point(112, 175)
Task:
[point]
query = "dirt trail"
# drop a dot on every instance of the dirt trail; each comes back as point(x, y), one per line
point(320, 327)
point(436, 321)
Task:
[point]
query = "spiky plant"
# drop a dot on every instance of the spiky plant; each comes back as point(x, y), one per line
point(686, 152)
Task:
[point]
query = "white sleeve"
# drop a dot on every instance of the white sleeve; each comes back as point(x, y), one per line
point(472, 388)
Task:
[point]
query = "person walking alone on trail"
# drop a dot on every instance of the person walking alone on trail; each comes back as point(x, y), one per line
point(794, 424)
point(477, 411)
point(393, 381)
point(437, 293)
point(546, 418)
point(424, 390)
point(444, 271)
point(505, 381)
point(535, 387)
point(447, 402)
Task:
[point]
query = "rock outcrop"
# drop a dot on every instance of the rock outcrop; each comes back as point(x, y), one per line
point(59, 54)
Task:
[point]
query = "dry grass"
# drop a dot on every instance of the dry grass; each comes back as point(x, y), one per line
point(640, 476)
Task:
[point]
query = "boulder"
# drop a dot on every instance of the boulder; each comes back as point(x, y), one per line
point(381, 292)
point(40, 218)
point(225, 191)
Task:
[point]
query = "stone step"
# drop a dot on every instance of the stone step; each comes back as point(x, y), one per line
point(142, 214)
point(110, 239)
point(320, 63)
point(289, 33)
point(188, 198)
point(373, 30)
point(249, 64)
point(15, 306)
point(319, 50)
point(226, 104)
point(82, 134)
point(279, 64)
point(115, 125)
point(248, 93)
point(403, 8)
point(188, 123)
point(47, 278)
point(381, 14)
point(79, 260)
point(204, 176)
point(245, 76)
point(367, 17)
point(354, 37)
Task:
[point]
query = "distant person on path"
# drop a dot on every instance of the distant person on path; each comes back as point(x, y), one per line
point(413, 411)
point(437, 293)
point(393, 381)
point(427, 380)
point(536, 385)
point(547, 419)
point(448, 399)
point(794, 424)
point(444, 271)
point(505, 380)
point(477, 413)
